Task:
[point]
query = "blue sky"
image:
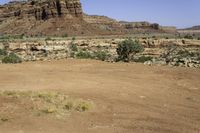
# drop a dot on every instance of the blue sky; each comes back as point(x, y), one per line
point(180, 13)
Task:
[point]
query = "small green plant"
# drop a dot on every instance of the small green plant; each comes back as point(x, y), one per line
point(127, 48)
point(12, 58)
point(143, 59)
point(84, 55)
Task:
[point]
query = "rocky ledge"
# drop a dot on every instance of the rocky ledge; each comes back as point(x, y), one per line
point(171, 52)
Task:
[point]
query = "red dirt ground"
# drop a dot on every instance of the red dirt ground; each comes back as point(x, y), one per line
point(128, 98)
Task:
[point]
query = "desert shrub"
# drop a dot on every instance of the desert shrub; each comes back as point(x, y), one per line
point(5, 37)
point(4, 119)
point(101, 55)
point(22, 36)
point(143, 59)
point(65, 35)
point(154, 37)
point(188, 36)
point(198, 58)
point(127, 48)
point(81, 107)
point(48, 39)
point(183, 41)
point(186, 53)
point(73, 38)
point(12, 58)
point(84, 55)
point(73, 47)
point(198, 38)
point(3, 52)
point(68, 106)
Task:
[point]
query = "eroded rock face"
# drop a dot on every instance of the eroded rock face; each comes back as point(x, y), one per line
point(65, 18)
point(41, 10)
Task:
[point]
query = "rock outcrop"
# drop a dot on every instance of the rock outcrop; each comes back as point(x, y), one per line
point(63, 18)
point(41, 10)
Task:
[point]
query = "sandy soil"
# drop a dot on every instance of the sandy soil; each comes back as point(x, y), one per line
point(128, 98)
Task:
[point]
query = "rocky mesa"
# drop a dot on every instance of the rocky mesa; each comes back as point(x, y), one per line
point(41, 10)
point(64, 17)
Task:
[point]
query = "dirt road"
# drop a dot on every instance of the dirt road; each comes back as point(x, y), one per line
point(128, 98)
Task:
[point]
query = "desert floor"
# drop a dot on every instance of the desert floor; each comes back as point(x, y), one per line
point(128, 98)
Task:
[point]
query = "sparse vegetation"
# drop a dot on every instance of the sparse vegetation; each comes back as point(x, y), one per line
point(188, 36)
point(101, 55)
point(83, 106)
point(73, 38)
point(179, 56)
point(48, 102)
point(12, 58)
point(8, 37)
point(183, 41)
point(73, 47)
point(84, 55)
point(143, 59)
point(48, 39)
point(128, 48)
point(3, 52)
point(185, 53)
point(4, 119)
point(69, 105)
point(65, 35)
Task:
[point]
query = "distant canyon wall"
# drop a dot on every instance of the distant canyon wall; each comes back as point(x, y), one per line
point(41, 10)
point(65, 18)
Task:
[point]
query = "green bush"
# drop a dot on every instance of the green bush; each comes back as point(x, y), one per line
point(48, 39)
point(5, 37)
point(73, 47)
point(198, 58)
point(183, 41)
point(101, 55)
point(143, 59)
point(11, 58)
point(84, 55)
point(127, 48)
point(65, 35)
point(186, 53)
point(73, 38)
point(188, 37)
point(3, 52)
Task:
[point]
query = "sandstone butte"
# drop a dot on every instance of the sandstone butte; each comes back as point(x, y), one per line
point(65, 17)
